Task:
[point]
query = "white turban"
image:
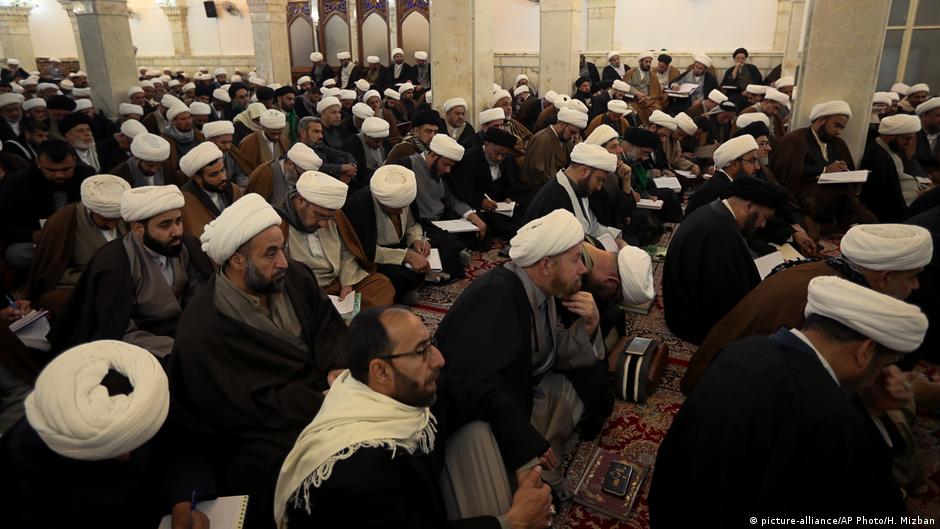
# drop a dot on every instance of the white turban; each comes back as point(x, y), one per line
point(899, 124)
point(618, 106)
point(427, 97)
point(927, 106)
point(747, 118)
point(405, 87)
point(74, 415)
point(572, 117)
point(362, 85)
point(218, 128)
point(142, 203)
point(343, 55)
point(394, 186)
point(601, 135)
point(81, 92)
point(703, 59)
point(776, 95)
point(304, 79)
point(454, 102)
point(733, 149)
point(894, 324)
point(198, 108)
point(198, 157)
point(221, 95)
point(36, 102)
point(134, 90)
point(685, 123)
point(561, 101)
point(522, 76)
point(167, 101)
point(636, 275)
point(392, 94)
point(643, 55)
point(102, 194)
point(329, 83)
point(126, 109)
point(82, 104)
point(347, 94)
point(362, 111)
point(30, 81)
point(219, 71)
point(146, 84)
point(830, 108)
point(150, 148)
point(174, 82)
point(397, 51)
point(322, 189)
point(594, 156)
point(881, 98)
point(899, 88)
point(273, 119)
point(521, 89)
point(612, 54)
point(326, 103)
point(919, 87)
point(547, 236)
point(66, 84)
point(501, 94)
point(372, 59)
point(785, 81)
point(421, 55)
point(717, 97)
point(550, 96)
point(496, 87)
point(757, 89)
point(620, 86)
point(331, 92)
point(492, 114)
point(375, 128)
point(46, 86)
point(133, 128)
point(444, 145)
point(658, 117)
point(892, 247)
point(176, 110)
point(370, 94)
point(304, 157)
point(9, 99)
point(316, 57)
point(238, 224)
point(576, 104)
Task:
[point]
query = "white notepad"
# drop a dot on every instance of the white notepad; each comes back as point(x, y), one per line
point(687, 174)
point(505, 208)
point(28, 319)
point(227, 512)
point(844, 177)
point(685, 90)
point(668, 182)
point(456, 225)
point(766, 263)
point(434, 260)
point(347, 305)
point(646, 203)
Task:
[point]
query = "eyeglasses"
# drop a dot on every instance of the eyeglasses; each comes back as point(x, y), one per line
point(751, 161)
point(423, 351)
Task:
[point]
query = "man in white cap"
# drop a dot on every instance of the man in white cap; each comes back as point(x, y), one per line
point(399, 71)
point(330, 110)
point(35, 109)
point(549, 149)
point(503, 99)
point(12, 71)
point(136, 286)
point(369, 146)
point(553, 372)
point(267, 144)
point(707, 105)
point(274, 179)
point(916, 94)
point(156, 121)
point(208, 191)
point(645, 84)
point(928, 139)
point(375, 75)
point(319, 236)
point(349, 72)
point(814, 392)
point(733, 158)
point(770, 105)
point(422, 71)
point(221, 104)
point(532, 108)
point(200, 113)
point(615, 69)
point(890, 187)
point(181, 134)
point(491, 118)
point(320, 71)
point(116, 148)
point(12, 114)
point(128, 111)
point(101, 409)
point(571, 186)
point(352, 123)
point(455, 110)
point(148, 165)
point(221, 133)
point(306, 103)
point(887, 258)
point(137, 96)
point(71, 237)
point(709, 266)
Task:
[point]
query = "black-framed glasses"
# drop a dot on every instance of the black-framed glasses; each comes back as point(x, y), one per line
point(422, 351)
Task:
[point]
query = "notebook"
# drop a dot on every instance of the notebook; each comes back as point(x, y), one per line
point(505, 208)
point(455, 226)
point(647, 203)
point(608, 242)
point(668, 182)
point(27, 320)
point(349, 306)
point(685, 90)
point(844, 177)
point(227, 512)
point(434, 260)
point(687, 174)
point(765, 264)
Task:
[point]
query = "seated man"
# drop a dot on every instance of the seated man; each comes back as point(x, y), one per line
point(455, 110)
point(76, 129)
point(388, 231)
point(571, 188)
point(886, 258)
point(505, 327)
point(733, 158)
point(149, 165)
point(116, 148)
point(616, 279)
point(253, 353)
point(71, 237)
point(274, 179)
point(369, 146)
point(489, 118)
point(774, 404)
point(638, 144)
point(181, 134)
point(615, 203)
point(424, 126)
point(549, 150)
point(383, 450)
point(890, 189)
point(208, 191)
point(487, 175)
point(96, 430)
point(221, 133)
point(268, 143)
point(709, 267)
point(330, 110)
point(336, 163)
point(135, 287)
point(319, 236)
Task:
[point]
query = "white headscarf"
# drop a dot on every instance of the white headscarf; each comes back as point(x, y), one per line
point(238, 224)
point(893, 247)
point(550, 235)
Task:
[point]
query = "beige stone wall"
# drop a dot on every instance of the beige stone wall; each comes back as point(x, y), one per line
point(245, 63)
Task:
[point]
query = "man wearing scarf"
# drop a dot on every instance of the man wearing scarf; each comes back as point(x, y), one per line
point(236, 167)
point(180, 134)
point(247, 121)
point(149, 164)
point(274, 179)
point(268, 143)
point(208, 191)
point(157, 122)
point(336, 163)
point(391, 444)
point(424, 125)
point(76, 128)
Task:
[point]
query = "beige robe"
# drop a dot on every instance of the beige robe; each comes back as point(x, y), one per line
point(387, 237)
point(330, 260)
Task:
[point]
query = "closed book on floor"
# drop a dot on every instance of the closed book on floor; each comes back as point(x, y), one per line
point(590, 491)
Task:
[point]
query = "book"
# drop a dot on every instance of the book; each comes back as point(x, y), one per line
point(648, 203)
point(456, 225)
point(687, 174)
point(506, 208)
point(844, 177)
point(668, 182)
point(28, 319)
point(684, 91)
point(590, 490)
point(349, 306)
point(766, 263)
point(608, 242)
point(730, 87)
point(226, 512)
point(434, 260)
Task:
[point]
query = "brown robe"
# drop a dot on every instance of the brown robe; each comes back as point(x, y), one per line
point(544, 116)
point(402, 150)
point(170, 175)
point(173, 161)
point(198, 210)
point(654, 97)
point(778, 130)
point(394, 135)
point(254, 153)
point(240, 159)
point(545, 156)
point(621, 128)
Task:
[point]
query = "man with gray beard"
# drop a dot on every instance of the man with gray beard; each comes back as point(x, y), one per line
point(76, 128)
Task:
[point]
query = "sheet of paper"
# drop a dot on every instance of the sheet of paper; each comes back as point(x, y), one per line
point(434, 260)
point(42, 223)
point(608, 242)
point(505, 208)
point(923, 180)
point(684, 90)
point(844, 177)
point(668, 182)
point(347, 305)
point(646, 203)
point(789, 252)
point(28, 319)
point(730, 87)
point(687, 174)
point(227, 512)
point(34, 335)
point(456, 225)
point(767, 263)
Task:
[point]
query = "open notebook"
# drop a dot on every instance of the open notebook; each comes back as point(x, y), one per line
point(227, 512)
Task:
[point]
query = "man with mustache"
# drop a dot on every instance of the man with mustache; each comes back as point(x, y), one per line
point(136, 286)
point(76, 128)
point(208, 191)
point(890, 189)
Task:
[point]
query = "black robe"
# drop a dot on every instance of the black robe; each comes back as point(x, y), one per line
point(927, 159)
point(110, 154)
point(927, 297)
point(353, 146)
point(610, 74)
point(472, 180)
point(708, 270)
point(372, 489)
point(408, 74)
point(881, 193)
point(768, 432)
point(716, 132)
point(246, 394)
point(27, 196)
point(928, 200)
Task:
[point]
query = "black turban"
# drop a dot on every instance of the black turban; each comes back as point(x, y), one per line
point(73, 120)
point(759, 191)
point(425, 117)
point(639, 137)
point(499, 137)
point(665, 59)
point(60, 103)
point(756, 129)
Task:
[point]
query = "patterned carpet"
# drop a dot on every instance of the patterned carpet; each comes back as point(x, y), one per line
point(636, 430)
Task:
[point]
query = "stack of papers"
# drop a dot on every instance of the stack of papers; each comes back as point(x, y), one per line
point(687, 174)
point(685, 90)
point(32, 330)
point(456, 225)
point(27, 320)
point(648, 203)
point(668, 182)
point(434, 260)
point(505, 208)
point(844, 177)
point(349, 306)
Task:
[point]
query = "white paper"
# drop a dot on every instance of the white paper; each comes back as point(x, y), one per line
point(28, 319)
point(767, 263)
point(347, 305)
point(505, 208)
point(227, 512)
point(687, 174)
point(789, 252)
point(608, 242)
point(923, 180)
point(684, 90)
point(434, 260)
point(844, 177)
point(646, 203)
point(668, 182)
point(456, 226)
point(34, 334)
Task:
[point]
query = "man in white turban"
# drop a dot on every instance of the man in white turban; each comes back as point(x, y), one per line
point(733, 158)
point(116, 148)
point(645, 84)
point(928, 139)
point(837, 376)
point(71, 237)
point(331, 115)
point(399, 71)
point(155, 119)
point(554, 372)
point(274, 179)
point(136, 286)
point(369, 145)
point(320, 72)
point(209, 190)
point(255, 352)
point(149, 164)
point(890, 187)
point(222, 134)
point(101, 409)
point(455, 110)
point(181, 134)
point(915, 95)
point(320, 237)
point(267, 143)
point(549, 149)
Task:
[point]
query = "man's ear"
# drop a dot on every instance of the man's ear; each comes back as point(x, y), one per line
point(137, 228)
point(237, 261)
point(380, 373)
point(863, 353)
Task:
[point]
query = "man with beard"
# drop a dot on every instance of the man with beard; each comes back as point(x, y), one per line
point(136, 96)
point(180, 134)
point(12, 71)
point(503, 99)
point(734, 158)
point(709, 267)
point(615, 70)
point(71, 237)
point(220, 104)
point(306, 103)
point(12, 116)
point(549, 150)
point(491, 118)
point(349, 72)
point(331, 115)
point(461, 439)
point(157, 121)
point(33, 134)
point(554, 373)
point(254, 352)
point(149, 164)
point(284, 100)
point(200, 112)
point(319, 236)
point(76, 128)
point(422, 72)
point(454, 112)
point(241, 98)
point(370, 148)
point(236, 167)
point(890, 189)
point(135, 287)
point(208, 191)
point(773, 101)
point(320, 71)
point(268, 143)
point(116, 149)
point(615, 280)
point(645, 84)
point(928, 139)
point(424, 125)
point(400, 72)
point(35, 109)
point(273, 180)
point(336, 163)
point(616, 115)
point(914, 96)
point(571, 187)
point(698, 75)
point(36, 193)
point(666, 72)
point(375, 75)
point(720, 122)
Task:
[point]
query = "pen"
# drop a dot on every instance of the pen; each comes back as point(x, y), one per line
point(192, 506)
point(12, 303)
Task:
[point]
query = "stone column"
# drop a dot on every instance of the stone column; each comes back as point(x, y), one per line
point(106, 35)
point(559, 44)
point(600, 20)
point(461, 53)
point(791, 50)
point(354, 33)
point(841, 56)
point(269, 31)
point(14, 35)
point(67, 5)
point(179, 25)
